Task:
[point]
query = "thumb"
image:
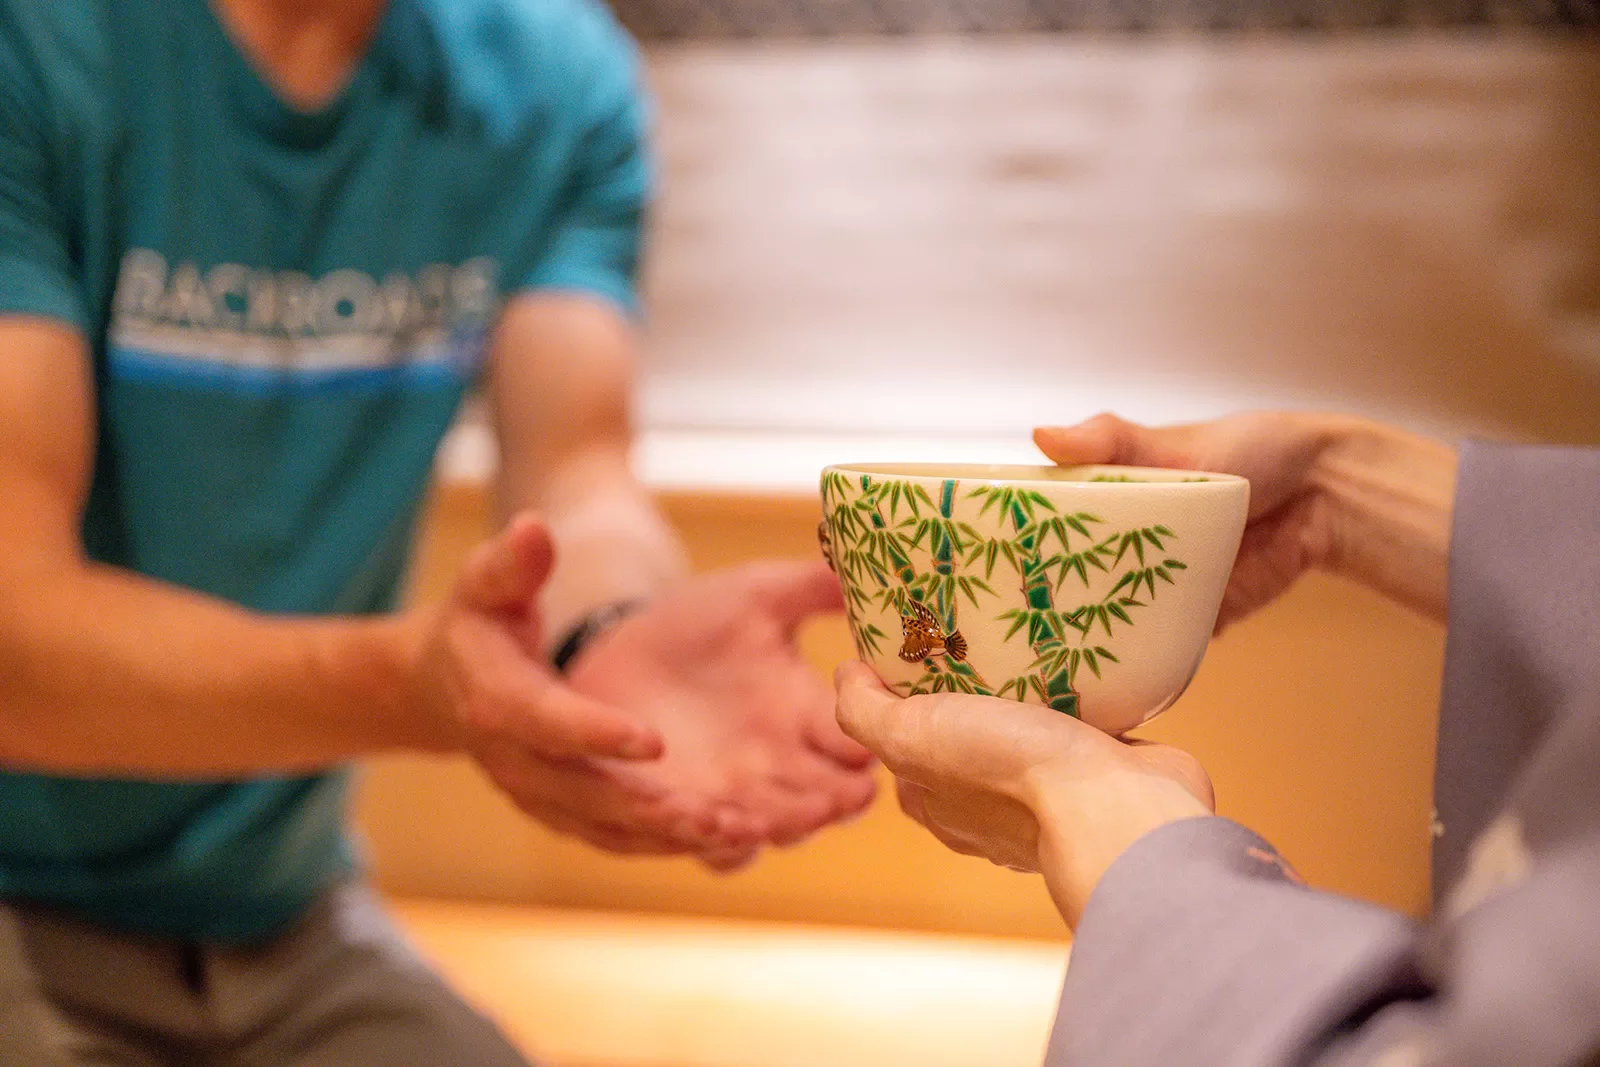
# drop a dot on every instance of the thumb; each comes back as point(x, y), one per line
point(866, 710)
point(507, 571)
point(1102, 439)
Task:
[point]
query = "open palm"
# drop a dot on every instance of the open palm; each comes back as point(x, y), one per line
point(712, 665)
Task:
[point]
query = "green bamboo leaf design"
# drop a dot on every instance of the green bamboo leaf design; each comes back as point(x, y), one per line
point(1138, 547)
point(1177, 565)
point(1161, 572)
point(1105, 618)
point(989, 501)
point(1010, 552)
point(1040, 499)
point(872, 637)
point(1131, 576)
point(1164, 532)
point(990, 555)
point(952, 534)
point(1119, 611)
point(1077, 522)
point(1072, 666)
point(1038, 687)
point(1105, 653)
point(1062, 662)
point(1094, 664)
point(1150, 535)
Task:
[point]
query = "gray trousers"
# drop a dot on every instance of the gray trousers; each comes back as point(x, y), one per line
point(339, 989)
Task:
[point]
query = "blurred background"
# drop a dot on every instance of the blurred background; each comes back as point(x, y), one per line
point(913, 229)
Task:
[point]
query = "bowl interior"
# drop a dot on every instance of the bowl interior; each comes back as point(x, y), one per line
point(1022, 474)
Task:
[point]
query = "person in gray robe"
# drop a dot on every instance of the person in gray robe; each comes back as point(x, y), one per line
point(1195, 942)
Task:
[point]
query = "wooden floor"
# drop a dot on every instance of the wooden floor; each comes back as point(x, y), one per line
point(590, 989)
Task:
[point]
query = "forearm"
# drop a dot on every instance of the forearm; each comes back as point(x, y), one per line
point(1391, 497)
point(1085, 823)
point(106, 672)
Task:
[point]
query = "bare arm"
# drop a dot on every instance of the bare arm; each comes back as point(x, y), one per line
point(560, 383)
point(103, 671)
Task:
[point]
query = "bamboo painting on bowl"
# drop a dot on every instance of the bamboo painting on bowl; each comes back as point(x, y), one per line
point(1092, 590)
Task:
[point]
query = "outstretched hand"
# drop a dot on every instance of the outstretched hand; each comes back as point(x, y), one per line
point(572, 761)
point(712, 667)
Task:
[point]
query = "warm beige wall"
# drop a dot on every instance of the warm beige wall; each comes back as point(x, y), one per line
point(1316, 721)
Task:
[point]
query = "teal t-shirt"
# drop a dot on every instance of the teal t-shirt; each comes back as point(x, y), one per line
point(284, 309)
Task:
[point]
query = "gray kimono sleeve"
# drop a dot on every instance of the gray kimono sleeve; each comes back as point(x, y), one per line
point(1200, 946)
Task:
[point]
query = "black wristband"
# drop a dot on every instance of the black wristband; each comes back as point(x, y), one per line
point(590, 627)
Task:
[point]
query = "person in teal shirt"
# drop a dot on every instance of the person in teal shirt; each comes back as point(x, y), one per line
point(253, 253)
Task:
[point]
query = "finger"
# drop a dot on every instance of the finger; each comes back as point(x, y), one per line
point(729, 860)
point(609, 838)
point(825, 737)
point(505, 572)
point(795, 591)
point(797, 816)
point(592, 794)
point(1109, 439)
point(565, 724)
point(854, 796)
point(865, 710)
point(737, 829)
point(509, 695)
point(850, 789)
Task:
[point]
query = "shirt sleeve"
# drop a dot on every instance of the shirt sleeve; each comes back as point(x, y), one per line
point(36, 261)
point(596, 236)
point(1200, 946)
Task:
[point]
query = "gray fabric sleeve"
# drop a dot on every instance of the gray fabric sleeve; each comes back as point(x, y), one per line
point(1200, 947)
point(1524, 650)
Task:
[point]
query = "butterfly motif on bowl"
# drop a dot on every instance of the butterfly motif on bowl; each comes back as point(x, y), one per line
point(925, 636)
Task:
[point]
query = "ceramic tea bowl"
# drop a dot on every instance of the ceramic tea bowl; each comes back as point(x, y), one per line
point(1092, 590)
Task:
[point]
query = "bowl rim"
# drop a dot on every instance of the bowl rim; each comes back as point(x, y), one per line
point(1044, 475)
